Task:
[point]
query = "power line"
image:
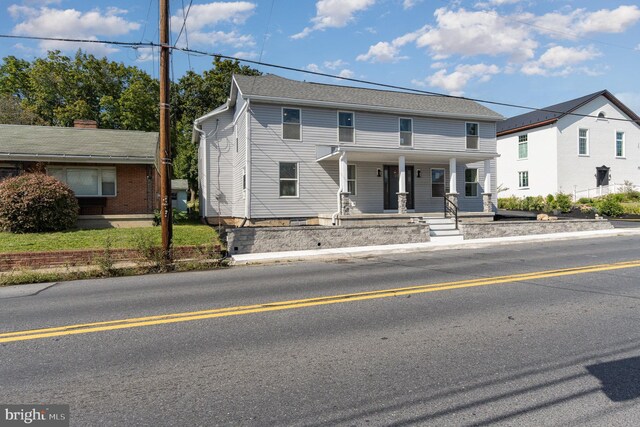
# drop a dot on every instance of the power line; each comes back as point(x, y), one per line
point(184, 21)
point(317, 73)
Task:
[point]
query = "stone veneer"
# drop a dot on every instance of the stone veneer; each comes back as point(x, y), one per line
point(524, 228)
point(276, 239)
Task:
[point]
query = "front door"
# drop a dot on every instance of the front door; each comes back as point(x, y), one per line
point(602, 176)
point(392, 186)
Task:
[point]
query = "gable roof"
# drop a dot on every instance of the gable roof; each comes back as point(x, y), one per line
point(50, 143)
point(553, 113)
point(273, 88)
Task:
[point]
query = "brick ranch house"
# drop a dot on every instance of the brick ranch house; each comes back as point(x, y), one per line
point(112, 172)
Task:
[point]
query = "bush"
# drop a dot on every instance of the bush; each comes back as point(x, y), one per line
point(510, 203)
point(550, 203)
point(563, 202)
point(618, 197)
point(609, 206)
point(35, 202)
point(585, 201)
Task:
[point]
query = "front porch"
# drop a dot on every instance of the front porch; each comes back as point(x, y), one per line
point(367, 219)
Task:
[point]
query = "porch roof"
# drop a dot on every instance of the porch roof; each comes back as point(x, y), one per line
point(377, 154)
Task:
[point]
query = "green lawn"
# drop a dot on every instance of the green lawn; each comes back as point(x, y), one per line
point(183, 235)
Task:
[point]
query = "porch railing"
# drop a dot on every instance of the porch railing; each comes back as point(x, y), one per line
point(450, 210)
point(604, 190)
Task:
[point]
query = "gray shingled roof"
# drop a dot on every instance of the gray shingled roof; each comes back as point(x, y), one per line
point(271, 86)
point(553, 112)
point(49, 141)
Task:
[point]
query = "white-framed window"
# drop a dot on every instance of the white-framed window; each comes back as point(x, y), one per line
point(352, 175)
point(437, 182)
point(87, 181)
point(244, 179)
point(406, 132)
point(583, 142)
point(523, 179)
point(346, 128)
point(619, 144)
point(472, 132)
point(523, 146)
point(288, 179)
point(291, 123)
point(471, 182)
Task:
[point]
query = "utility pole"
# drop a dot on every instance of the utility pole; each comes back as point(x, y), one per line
point(166, 212)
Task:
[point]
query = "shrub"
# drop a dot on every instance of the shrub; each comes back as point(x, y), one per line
point(563, 202)
point(609, 206)
point(585, 201)
point(535, 203)
point(35, 202)
point(510, 203)
point(618, 197)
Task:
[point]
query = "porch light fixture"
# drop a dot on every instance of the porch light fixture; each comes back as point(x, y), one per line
point(418, 173)
point(379, 173)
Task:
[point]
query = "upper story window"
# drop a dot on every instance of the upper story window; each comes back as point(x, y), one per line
point(291, 123)
point(602, 116)
point(472, 135)
point(619, 144)
point(406, 132)
point(583, 142)
point(288, 179)
point(471, 182)
point(351, 179)
point(345, 127)
point(87, 182)
point(523, 146)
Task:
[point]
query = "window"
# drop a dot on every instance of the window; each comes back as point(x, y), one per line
point(471, 182)
point(583, 142)
point(288, 179)
point(345, 127)
point(8, 172)
point(351, 179)
point(619, 144)
point(244, 178)
point(523, 179)
point(523, 147)
point(437, 182)
point(291, 123)
point(406, 132)
point(472, 136)
point(87, 182)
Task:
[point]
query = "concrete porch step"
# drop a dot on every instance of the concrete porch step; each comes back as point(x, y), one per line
point(446, 239)
point(438, 233)
point(443, 226)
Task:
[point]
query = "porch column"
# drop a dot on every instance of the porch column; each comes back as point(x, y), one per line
point(486, 195)
point(452, 195)
point(402, 187)
point(345, 202)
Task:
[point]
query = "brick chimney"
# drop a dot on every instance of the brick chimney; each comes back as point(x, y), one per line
point(85, 124)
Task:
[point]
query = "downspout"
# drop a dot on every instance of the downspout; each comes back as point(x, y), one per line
point(334, 217)
point(247, 154)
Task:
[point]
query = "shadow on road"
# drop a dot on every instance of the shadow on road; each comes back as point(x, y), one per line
point(620, 378)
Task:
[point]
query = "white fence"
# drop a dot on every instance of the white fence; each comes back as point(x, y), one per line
point(603, 190)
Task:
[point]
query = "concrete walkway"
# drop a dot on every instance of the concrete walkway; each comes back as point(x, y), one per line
point(361, 251)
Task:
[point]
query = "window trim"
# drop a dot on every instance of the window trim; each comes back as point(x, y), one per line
point(525, 143)
point(466, 136)
point(353, 119)
point(99, 169)
point(297, 180)
point(444, 183)
point(624, 143)
point(400, 119)
point(354, 179)
point(587, 142)
point(476, 183)
point(520, 186)
point(282, 122)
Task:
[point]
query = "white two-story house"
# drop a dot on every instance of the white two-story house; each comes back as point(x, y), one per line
point(579, 147)
point(280, 149)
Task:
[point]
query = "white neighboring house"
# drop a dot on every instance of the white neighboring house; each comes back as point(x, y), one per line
point(578, 147)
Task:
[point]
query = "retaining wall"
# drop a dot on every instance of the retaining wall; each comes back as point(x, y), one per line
point(525, 228)
point(276, 239)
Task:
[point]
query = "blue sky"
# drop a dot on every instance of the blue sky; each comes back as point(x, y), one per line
point(532, 53)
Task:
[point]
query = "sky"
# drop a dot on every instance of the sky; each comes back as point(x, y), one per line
point(529, 53)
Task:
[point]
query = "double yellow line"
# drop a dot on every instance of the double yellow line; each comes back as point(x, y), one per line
point(136, 322)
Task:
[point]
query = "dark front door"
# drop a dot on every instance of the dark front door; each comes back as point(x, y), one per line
point(602, 176)
point(392, 186)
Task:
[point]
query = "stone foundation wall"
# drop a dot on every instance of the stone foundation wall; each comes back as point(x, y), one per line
point(525, 228)
point(276, 239)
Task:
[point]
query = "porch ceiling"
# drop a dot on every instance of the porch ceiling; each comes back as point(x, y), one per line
point(412, 155)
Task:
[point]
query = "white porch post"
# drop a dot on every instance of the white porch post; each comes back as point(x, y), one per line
point(486, 194)
point(345, 202)
point(402, 186)
point(452, 195)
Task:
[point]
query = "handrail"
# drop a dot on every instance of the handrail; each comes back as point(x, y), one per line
point(603, 190)
point(450, 208)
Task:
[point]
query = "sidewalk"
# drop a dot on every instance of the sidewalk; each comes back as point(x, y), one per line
point(361, 251)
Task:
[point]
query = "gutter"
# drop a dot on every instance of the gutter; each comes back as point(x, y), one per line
point(247, 154)
point(75, 157)
point(203, 143)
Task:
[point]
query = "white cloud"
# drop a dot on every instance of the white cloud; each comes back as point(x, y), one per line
point(213, 38)
point(314, 68)
point(494, 3)
point(456, 81)
point(73, 24)
point(145, 54)
point(381, 52)
point(560, 60)
point(334, 65)
point(408, 4)
point(346, 73)
point(333, 14)
point(580, 22)
point(247, 55)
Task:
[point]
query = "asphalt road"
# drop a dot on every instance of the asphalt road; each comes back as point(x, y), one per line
point(559, 348)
